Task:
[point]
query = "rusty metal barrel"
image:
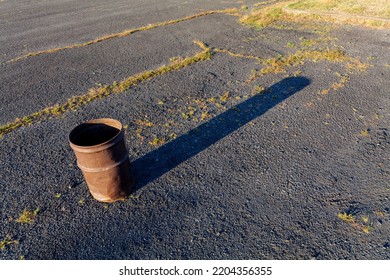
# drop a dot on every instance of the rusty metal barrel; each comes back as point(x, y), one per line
point(103, 158)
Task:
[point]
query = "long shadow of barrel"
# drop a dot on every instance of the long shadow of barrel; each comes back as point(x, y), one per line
point(158, 162)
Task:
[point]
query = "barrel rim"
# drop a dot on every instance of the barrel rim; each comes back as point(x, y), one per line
point(101, 146)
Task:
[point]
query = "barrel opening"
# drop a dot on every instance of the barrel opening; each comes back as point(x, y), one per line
point(91, 134)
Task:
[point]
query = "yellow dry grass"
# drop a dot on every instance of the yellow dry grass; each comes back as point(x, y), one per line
point(369, 13)
point(7, 241)
point(93, 94)
point(375, 8)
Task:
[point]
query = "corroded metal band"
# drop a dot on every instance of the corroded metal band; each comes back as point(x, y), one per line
point(103, 168)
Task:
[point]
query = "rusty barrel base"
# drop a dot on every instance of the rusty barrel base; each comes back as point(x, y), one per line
point(101, 183)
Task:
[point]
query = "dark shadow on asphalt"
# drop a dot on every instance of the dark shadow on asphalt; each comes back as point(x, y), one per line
point(160, 161)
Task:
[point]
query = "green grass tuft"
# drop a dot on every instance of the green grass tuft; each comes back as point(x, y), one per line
point(28, 217)
point(7, 241)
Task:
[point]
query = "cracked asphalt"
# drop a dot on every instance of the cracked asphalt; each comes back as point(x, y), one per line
point(228, 164)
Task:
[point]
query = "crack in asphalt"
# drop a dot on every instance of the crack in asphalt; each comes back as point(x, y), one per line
point(166, 156)
point(271, 66)
point(124, 33)
point(76, 102)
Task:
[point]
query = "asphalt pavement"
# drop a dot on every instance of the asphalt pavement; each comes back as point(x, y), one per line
point(270, 149)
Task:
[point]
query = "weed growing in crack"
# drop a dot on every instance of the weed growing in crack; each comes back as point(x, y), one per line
point(6, 242)
point(346, 217)
point(93, 94)
point(280, 63)
point(28, 217)
point(362, 224)
point(124, 33)
point(157, 141)
point(365, 133)
point(291, 45)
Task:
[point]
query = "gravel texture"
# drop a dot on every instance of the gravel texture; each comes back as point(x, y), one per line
point(224, 169)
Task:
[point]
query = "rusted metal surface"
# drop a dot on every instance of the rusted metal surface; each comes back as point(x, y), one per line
point(103, 158)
